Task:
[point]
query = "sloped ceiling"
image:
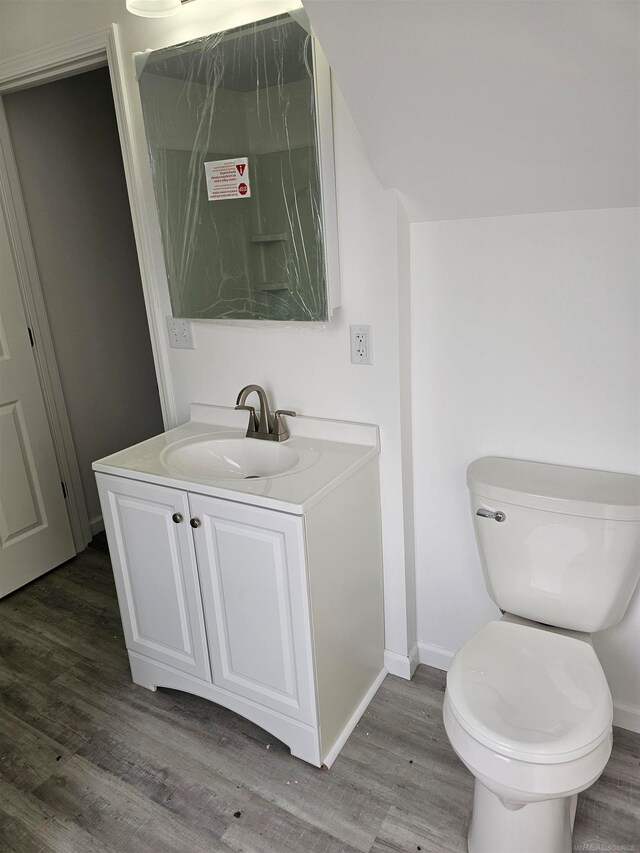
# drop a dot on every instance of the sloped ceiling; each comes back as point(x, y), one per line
point(492, 107)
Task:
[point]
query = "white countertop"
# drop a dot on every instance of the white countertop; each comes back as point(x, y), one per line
point(329, 451)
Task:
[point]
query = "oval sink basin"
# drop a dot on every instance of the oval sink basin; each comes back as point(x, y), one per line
point(230, 459)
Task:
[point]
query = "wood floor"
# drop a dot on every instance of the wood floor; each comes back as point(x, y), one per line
point(91, 762)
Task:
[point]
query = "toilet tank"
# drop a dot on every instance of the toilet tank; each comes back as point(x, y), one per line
point(568, 550)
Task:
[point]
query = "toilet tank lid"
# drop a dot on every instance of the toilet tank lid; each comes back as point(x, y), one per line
point(556, 488)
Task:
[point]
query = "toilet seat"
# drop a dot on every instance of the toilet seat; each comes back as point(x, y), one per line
point(530, 694)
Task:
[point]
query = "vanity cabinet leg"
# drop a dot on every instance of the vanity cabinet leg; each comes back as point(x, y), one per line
point(151, 687)
point(140, 676)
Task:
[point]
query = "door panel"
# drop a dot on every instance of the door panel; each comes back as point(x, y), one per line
point(23, 513)
point(253, 577)
point(155, 572)
point(35, 534)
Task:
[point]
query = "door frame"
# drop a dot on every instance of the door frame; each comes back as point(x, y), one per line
point(23, 71)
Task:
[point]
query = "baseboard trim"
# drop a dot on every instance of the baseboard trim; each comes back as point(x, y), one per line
point(355, 718)
point(96, 525)
point(414, 658)
point(627, 716)
point(436, 656)
point(404, 666)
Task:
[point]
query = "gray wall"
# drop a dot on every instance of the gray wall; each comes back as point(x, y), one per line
point(68, 154)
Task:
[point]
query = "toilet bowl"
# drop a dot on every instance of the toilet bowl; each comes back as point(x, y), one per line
point(529, 713)
point(527, 707)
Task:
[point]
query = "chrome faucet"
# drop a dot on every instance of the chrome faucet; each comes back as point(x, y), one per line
point(263, 425)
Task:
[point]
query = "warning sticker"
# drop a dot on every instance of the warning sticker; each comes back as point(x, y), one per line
point(227, 179)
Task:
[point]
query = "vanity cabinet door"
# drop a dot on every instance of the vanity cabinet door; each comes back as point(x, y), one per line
point(155, 572)
point(254, 588)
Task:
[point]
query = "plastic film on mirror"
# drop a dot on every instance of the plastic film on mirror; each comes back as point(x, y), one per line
point(231, 125)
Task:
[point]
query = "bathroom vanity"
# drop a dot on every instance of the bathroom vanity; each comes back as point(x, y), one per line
point(250, 572)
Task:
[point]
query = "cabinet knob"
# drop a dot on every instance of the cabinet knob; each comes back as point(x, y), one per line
point(195, 522)
point(177, 517)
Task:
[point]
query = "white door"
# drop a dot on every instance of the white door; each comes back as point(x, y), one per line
point(154, 567)
point(254, 588)
point(35, 534)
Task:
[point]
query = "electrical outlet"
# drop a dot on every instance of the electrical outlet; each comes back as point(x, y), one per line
point(180, 334)
point(361, 338)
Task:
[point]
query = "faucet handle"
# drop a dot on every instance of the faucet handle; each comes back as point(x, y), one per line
point(253, 420)
point(279, 429)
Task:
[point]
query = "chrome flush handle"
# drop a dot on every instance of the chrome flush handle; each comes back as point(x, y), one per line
point(487, 513)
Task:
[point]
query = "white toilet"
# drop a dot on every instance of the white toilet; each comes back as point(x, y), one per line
point(527, 706)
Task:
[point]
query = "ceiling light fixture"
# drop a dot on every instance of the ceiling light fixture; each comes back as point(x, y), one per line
point(153, 8)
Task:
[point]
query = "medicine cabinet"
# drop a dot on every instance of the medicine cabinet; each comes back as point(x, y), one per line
point(240, 139)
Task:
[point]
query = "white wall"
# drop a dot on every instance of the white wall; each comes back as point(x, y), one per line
point(307, 369)
point(524, 328)
point(525, 344)
point(488, 108)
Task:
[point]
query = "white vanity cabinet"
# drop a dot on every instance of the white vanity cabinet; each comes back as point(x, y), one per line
point(276, 615)
point(155, 571)
point(253, 581)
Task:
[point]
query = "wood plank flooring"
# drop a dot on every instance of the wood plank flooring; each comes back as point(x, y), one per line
point(91, 762)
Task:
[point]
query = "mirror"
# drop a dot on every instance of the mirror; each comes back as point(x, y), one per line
point(239, 137)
